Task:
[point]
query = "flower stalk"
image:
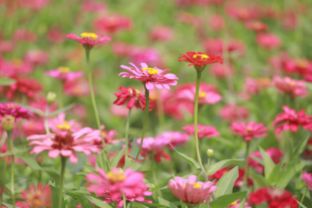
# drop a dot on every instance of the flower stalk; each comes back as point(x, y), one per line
point(12, 170)
point(127, 137)
point(61, 182)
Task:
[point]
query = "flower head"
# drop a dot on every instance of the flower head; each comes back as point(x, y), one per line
point(204, 131)
point(290, 86)
point(200, 59)
point(130, 97)
point(152, 77)
point(64, 74)
point(254, 158)
point(36, 197)
point(249, 130)
point(13, 109)
point(190, 190)
point(88, 39)
point(307, 178)
point(112, 186)
point(67, 144)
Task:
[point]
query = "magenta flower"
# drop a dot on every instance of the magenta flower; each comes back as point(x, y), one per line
point(64, 74)
point(85, 140)
point(204, 131)
point(291, 120)
point(112, 186)
point(89, 40)
point(290, 86)
point(249, 130)
point(151, 77)
point(14, 110)
point(307, 178)
point(190, 190)
point(130, 97)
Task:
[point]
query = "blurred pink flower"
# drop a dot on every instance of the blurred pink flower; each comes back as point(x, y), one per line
point(173, 138)
point(161, 33)
point(23, 87)
point(116, 184)
point(190, 190)
point(291, 86)
point(249, 130)
point(64, 74)
point(268, 41)
point(307, 178)
point(60, 125)
point(204, 131)
point(151, 77)
point(112, 23)
point(88, 39)
point(233, 112)
point(221, 70)
point(14, 110)
point(36, 196)
point(85, 140)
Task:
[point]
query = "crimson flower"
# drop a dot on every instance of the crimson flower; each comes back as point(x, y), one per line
point(88, 40)
point(14, 110)
point(200, 59)
point(130, 97)
point(249, 130)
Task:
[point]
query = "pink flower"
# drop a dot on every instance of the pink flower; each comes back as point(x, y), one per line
point(85, 140)
point(155, 147)
point(60, 125)
point(112, 186)
point(36, 197)
point(14, 110)
point(233, 112)
point(173, 138)
point(204, 131)
point(64, 74)
point(190, 190)
point(249, 130)
point(23, 87)
point(161, 33)
point(88, 39)
point(112, 23)
point(151, 77)
point(130, 97)
point(254, 158)
point(269, 41)
point(307, 178)
point(291, 120)
point(290, 86)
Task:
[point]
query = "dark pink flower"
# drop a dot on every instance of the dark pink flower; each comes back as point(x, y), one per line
point(307, 178)
point(269, 41)
point(204, 131)
point(151, 77)
point(249, 130)
point(14, 110)
point(116, 184)
point(254, 158)
point(130, 97)
point(88, 39)
point(290, 86)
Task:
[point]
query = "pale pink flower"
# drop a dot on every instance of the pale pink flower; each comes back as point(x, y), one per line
point(291, 86)
point(249, 130)
point(269, 41)
point(64, 74)
point(161, 33)
point(151, 77)
point(204, 131)
point(60, 125)
point(233, 112)
point(112, 23)
point(190, 190)
point(88, 39)
point(173, 138)
point(67, 145)
point(307, 178)
point(112, 186)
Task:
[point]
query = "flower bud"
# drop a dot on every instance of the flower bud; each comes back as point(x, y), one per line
point(51, 97)
point(210, 152)
point(8, 122)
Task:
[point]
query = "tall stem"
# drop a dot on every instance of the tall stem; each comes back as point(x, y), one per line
point(146, 120)
point(91, 87)
point(61, 184)
point(198, 77)
point(127, 137)
point(12, 171)
point(246, 164)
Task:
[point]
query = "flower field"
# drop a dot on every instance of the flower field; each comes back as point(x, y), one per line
point(155, 104)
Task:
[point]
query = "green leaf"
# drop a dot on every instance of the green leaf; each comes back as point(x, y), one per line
point(31, 162)
point(268, 163)
point(5, 81)
point(225, 200)
point(224, 163)
point(258, 179)
point(98, 202)
point(226, 183)
point(188, 159)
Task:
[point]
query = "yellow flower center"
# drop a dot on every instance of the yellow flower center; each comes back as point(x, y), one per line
point(89, 35)
point(202, 94)
point(35, 201)
point(197, 185)
point(63, 69)
point(116, 176)
point(64, 126)
point(150, 70)
point(234, 203)
point(200, 56)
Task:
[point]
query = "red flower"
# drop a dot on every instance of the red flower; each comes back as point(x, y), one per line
point(23, 87)
point(255, 158)
point(200, 59)
point(88, 39)
point(12, 109)
point(291, 120)
point(131, 97)
point(249, 130)
point(239, 181)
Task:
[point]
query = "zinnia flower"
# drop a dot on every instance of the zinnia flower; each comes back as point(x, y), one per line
point(190, 190)
point(38, 196)
point(249, 130)
point(151, 77)
point(307, 178)
point(88, 39)
point(254, 158)
point(290, 86)
point(200, 59)
point(131, 97)
point(67, 144)
point(9, 113)
point(64, 74)
point(116, 184)
point(204, 131)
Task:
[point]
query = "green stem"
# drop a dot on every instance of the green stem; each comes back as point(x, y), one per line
point(146, 120)
point(61, 184)
point(12, 176)
point(127, 137)
point(91, 87)
point(198, 76)
point(124, 201)
point(246, 164)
